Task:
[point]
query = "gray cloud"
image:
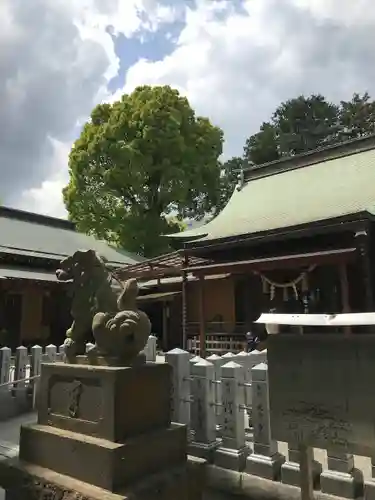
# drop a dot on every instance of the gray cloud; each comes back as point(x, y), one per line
point(49, 77)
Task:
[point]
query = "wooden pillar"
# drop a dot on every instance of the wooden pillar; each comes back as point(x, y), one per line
point(344, 286)
point(202, 321)
point(184, 303)
point(184, 310)
point(363, 246)
point(165, 326)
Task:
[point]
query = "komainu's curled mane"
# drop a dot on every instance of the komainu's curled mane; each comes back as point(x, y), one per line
point(125, 334)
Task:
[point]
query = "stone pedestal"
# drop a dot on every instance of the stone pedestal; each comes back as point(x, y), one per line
point(369, 487)
point(103, 427)
point(341, 479)
point(290, 470)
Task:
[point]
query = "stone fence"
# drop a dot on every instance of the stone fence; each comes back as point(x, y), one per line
point(225, 403)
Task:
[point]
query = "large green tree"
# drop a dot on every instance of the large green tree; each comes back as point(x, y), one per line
point(140, 166)
point(297, 125)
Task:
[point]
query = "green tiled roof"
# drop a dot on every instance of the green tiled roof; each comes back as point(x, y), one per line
point(329, 189)
point(34, 235)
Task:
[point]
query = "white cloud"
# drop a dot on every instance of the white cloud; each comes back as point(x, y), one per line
point(347, 12)
point(47, 197)
point(236, 66)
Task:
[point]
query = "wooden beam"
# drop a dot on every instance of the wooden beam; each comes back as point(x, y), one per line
point(202, 319)
point(148, 274)
point(276, 262)
point(156, 265)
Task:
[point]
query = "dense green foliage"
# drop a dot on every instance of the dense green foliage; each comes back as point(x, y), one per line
point(307, 123)
point(140, 166)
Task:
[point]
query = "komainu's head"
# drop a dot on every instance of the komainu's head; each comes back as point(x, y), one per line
point(81, 261)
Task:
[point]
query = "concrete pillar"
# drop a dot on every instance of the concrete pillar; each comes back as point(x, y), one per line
point(180, 397)
point(266, 461)
point(232, 451)
point(203, 418)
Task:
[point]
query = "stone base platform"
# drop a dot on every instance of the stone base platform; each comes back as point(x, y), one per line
point(101, 462)
point(109, 402)
point(24, 481)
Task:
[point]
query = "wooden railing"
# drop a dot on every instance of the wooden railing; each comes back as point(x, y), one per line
point(217, 344)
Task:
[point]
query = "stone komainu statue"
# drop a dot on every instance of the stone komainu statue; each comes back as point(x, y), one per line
point(120, 329)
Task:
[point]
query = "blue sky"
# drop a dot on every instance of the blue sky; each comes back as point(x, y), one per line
point(152, 46)
point(155, 46)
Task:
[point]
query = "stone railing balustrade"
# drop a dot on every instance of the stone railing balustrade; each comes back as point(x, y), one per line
point(225, 402)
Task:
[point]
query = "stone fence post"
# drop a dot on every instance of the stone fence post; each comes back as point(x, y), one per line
point(180, 397)
point(217, 361)
point(266, 461)
point(21, 362)
point(203, 419)
point(150, 349)
point(51, 353)
point(5, 355)
point(193, 360)
point(35, 370)
point(228, 356)
point(89, 345)
point(36, 358)
point(262, 356)
point(245, 360)
point(232, 451)
point(61, 352)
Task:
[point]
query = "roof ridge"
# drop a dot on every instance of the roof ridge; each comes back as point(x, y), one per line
point(309, 158)
point(36, 218)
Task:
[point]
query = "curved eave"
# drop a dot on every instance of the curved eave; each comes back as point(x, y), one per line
point(186, 237)
point(328, 190)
